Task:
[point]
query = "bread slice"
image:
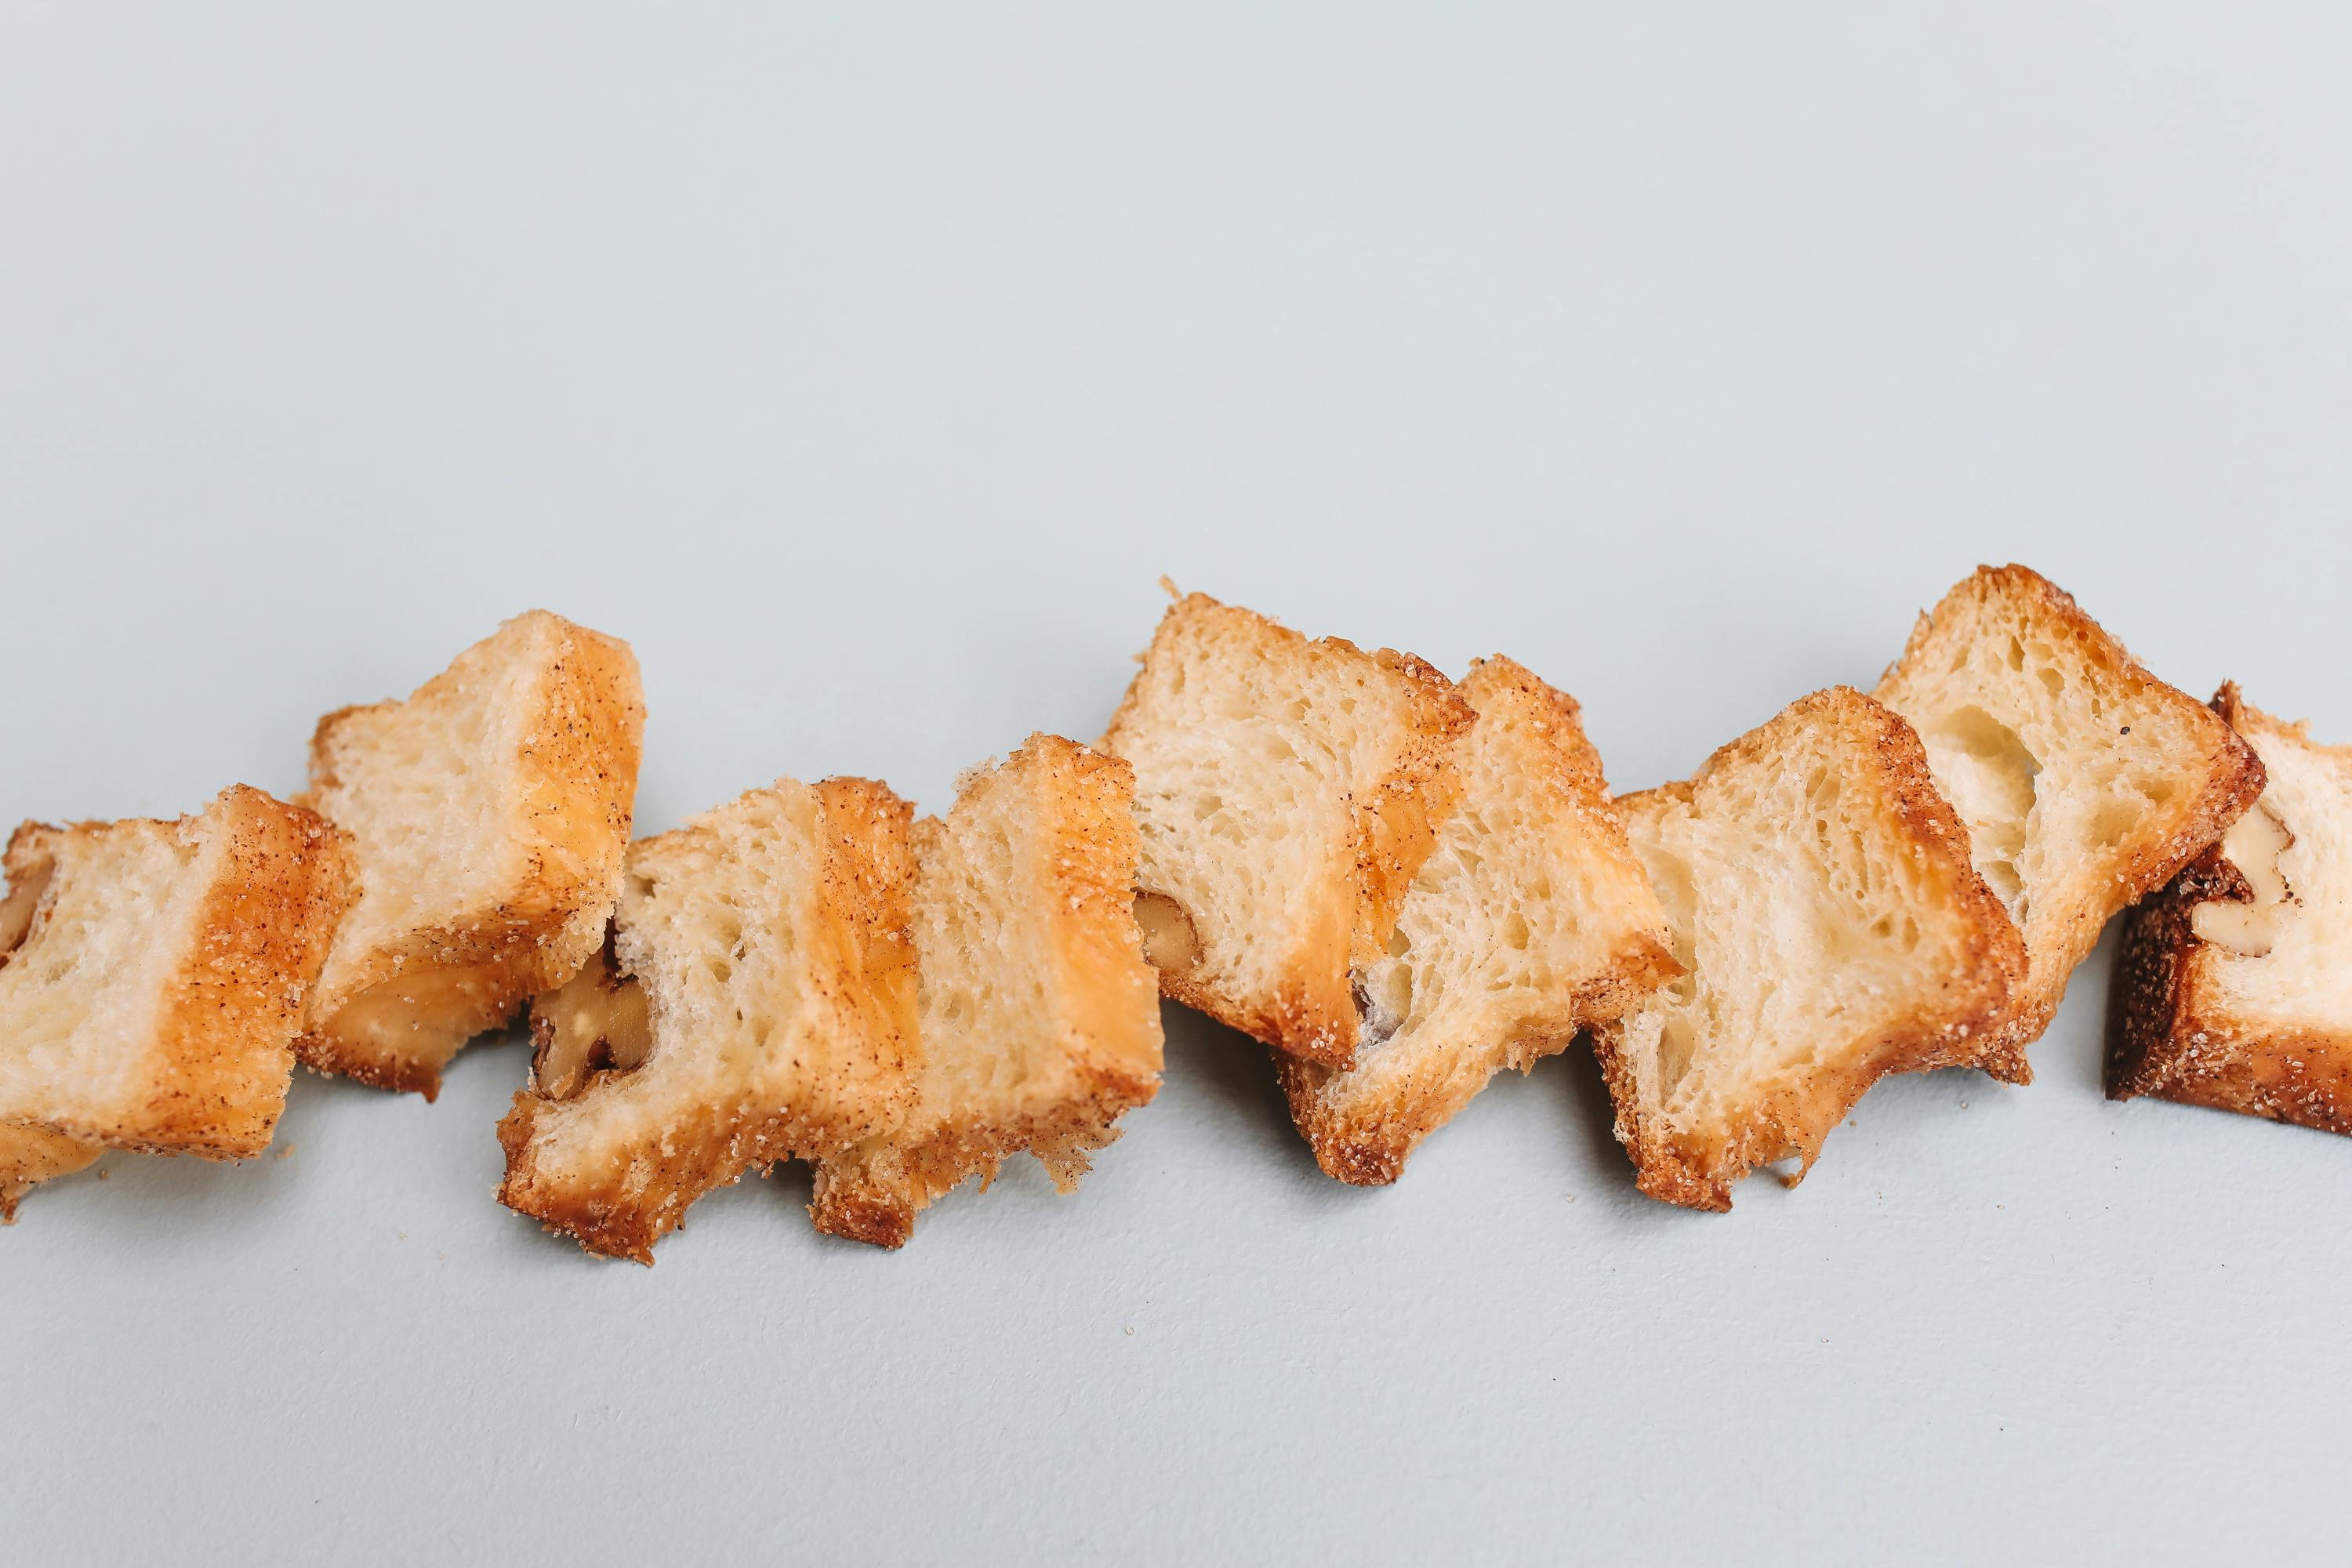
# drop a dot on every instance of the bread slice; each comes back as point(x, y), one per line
point(152, 977)
point(2236, 984)
point(1832, 930)
point(1040, 1018)
point(1532, 920)
point(2086, 782)
point(488, 814)
point(755, 1002)
point(1287, 792)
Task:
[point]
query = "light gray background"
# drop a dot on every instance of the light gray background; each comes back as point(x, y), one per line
point(865, 365)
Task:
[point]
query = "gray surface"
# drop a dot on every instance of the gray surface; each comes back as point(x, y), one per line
point(866, 372)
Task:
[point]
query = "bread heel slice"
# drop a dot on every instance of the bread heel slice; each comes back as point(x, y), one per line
point(1287, 793)
point(1831, 931)
point(2230, 992)
point(1532, 920)
point(152, 977)
point(754, 1002)
point(2086, 782)
point(1039, 1017)
point(488, 814)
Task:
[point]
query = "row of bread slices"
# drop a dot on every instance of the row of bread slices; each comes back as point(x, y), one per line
point(1400, 883)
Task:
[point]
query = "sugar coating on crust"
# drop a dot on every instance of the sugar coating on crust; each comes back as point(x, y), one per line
point(488, 814)
point(152, 977)
point(1287, 792)
point(1039, 1017)
point(1831, 931)
point(1532, 920)
point(2086, 782)
point(2231, 991)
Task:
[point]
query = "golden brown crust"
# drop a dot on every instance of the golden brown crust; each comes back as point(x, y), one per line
point(31, 1155)
point(1952, 1024)
point(214, 1070)
point(408, 1006)
point(1365, 1140)
point(1310, 1010)
point(2233, 778)
point(2168, 1039)
point(1106, 1039)
point(858, 927)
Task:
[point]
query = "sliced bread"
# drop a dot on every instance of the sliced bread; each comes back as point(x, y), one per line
point(488, 814)
point(2086, 782)
point(1532, 920)
point(1831, 930)
point(1287, 792)
point(2236, 984)
point(755, 1003)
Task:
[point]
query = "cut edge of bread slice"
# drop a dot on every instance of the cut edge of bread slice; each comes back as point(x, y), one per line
point(1039, 1017)
point(1531, 921)
point(2086, 782)
point(1832, 930)
point(488, 814)
point(2224, 992)
point(754, 1002)
point(1287, 792)
point(152, 977)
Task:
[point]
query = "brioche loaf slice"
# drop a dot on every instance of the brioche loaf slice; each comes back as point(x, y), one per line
point(1532, 920)
point(2234, 991)
point(1040, 1018)
point(1287, 793)
point(488, 814)
point(1831, 931)
point(755, 1002)
point(2086, 782)
point(152, 977)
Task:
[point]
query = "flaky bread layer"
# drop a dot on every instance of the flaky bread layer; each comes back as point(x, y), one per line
point(2085, 780)
point(187, 1048)
point(1228, 701)
point(1532, 920)
point(804, 1044)
point(1923, 962)
point(531, 738)
point(2256, 1020)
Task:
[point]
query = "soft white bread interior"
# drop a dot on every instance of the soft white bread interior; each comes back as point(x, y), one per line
point(2235, 990)
point(1532, 920)
point(756, 1002)
point(1287, 792)
point(488, 814)
point(1832, 930)
point(2086, 782)
point(1040, 1020)
point(152, 977)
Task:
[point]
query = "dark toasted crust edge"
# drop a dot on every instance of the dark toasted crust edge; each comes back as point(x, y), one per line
point(2161, 1044)
point(1955, 1031)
